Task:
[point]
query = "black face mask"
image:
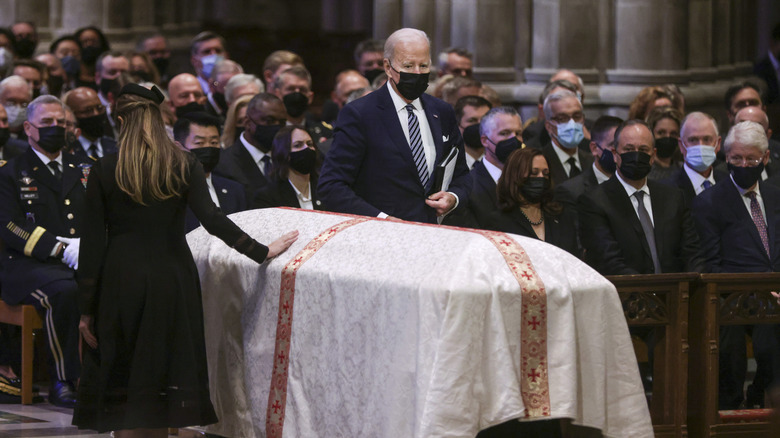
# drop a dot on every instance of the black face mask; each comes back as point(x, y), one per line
point(55, 85)
point(189, 108)
point(51, 138)
point(25, 47)
point(471, 137)
point(606, 160)
point(71, 65)
point(534, 188)
point(142, 76)
point(264, 135)
point(746, 177)
point(634, 165)
point(219, 98)
point(296, 104)
point(411, 85)
point(93, 127)
point(161, 64)
point(90, 54)
point(665, 146)
point(303, 161)
point(208, 157)
point(108, 86)
point(373, 74)
point(504, 148)
point(5, 134)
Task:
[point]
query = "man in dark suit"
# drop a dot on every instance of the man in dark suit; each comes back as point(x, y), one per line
point(564, 122)
point(602, 144)
point(768, 67)
point(91, 120)
point(199, 133)
point(248, 161)
point(387, 144)
point(8, 150)
point(42, 195)
point(699, 144)
point(739, 224)
point(629, 225)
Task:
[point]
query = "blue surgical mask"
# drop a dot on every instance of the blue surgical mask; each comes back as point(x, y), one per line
point(700, 157)
point(209, 62)
point(569, 134)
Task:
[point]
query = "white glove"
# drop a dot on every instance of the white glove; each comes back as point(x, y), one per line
point(71, 254)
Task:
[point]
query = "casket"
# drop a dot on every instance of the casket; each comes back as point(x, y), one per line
point(377, 328)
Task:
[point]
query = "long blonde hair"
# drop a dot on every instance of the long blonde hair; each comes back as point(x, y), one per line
point(150, 163)
point(231, 121)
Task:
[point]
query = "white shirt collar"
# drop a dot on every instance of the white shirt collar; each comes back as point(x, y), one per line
point(630, 190)
point(86, 144)
point(697, 180)
point(494, 171)
point(564, 157)
point(399, 103)
point(256, 153)
point(46, 159)
point(601, 177)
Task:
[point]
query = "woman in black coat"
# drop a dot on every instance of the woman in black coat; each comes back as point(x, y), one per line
point(293, 179)
point(526, 204)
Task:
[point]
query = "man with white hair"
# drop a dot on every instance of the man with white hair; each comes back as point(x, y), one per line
point(758, 115)
point(242, 85)
point(739, 221)
point(699, 143)
point(224, 70)
point(565, 124)
point(387, 144)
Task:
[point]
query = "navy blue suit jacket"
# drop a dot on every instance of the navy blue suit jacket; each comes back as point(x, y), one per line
point(369, 169)
point(231, 195)
point(729, 238)
point(107, 143)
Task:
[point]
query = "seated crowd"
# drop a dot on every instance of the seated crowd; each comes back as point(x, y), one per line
point(664, 191)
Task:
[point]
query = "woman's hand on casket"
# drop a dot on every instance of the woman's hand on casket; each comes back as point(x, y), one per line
point(87, 330)
point(281, 244)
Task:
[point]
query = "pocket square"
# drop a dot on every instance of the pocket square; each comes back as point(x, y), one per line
point(445, 138)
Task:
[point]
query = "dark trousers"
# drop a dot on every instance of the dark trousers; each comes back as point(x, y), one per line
point(732, 362)
point(58, 303)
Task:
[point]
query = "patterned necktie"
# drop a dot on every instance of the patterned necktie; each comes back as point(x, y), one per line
point(93, 151)
point(55, 168)
point(266, 165)
point(706, 184)
point(758, 220)
point(415, 142)
point(647, 227)
point(574, 170)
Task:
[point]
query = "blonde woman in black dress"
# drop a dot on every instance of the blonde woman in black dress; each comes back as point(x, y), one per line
point(144, 362)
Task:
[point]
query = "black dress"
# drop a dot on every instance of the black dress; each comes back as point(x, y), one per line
point(137, 277)
point(560, 230)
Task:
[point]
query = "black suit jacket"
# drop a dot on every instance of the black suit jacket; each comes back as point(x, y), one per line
point(236, 163)
point(107, 143)
point(614, 241)
point(369, 168)
point(35, 207)
point(560, 230)
point(680, 180)
point(231, 196)
point(570, 190)
point(766, 71)
point(14, 148)
point(281, 194)
point(557, 172)
point(730, 239)
point(482, 200)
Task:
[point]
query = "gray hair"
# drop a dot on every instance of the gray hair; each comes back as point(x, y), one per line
point(698, 115)
point(746, 133)
point(238, 81)
point(14, 80)
point(225, 66)
point(555, 97)
point(296, 70)
point(406, 34)
point(460, 51)
point(487, 124)
point(46, 99)
point(357, 94)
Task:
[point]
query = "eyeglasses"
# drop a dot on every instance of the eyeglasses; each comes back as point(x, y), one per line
point(743, 162)
point(564, 118)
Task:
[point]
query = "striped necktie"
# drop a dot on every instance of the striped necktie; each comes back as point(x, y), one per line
point(415, 142)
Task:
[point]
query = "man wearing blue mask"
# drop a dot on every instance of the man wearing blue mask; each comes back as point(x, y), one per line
point(699, 144)
point(564, 122)
point(206, 50)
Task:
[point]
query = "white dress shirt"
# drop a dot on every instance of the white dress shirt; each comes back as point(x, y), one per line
point(257, 154)
point(46, 160)
point(564, 157)
point(746, 200)
point(600, 176)
point(429, 147)
point(630, 190)
point(494, 171)
point(85, 144)
point(697, 180)
point(212, 191)
point(304, 201)
point(471, 161)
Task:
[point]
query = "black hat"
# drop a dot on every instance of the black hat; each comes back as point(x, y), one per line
point(155, 95)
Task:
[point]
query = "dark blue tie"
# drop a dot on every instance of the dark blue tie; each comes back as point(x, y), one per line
point(707, 184)
point(415, 142)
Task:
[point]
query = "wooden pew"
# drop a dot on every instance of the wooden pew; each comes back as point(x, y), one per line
point(661, 302)
point(26, 317)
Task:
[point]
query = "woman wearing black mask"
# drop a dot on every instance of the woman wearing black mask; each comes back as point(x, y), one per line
point(665, 123)
point(294, 173)
point(526, 204)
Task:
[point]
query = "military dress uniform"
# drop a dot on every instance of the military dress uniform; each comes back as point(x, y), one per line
point(36, 206)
